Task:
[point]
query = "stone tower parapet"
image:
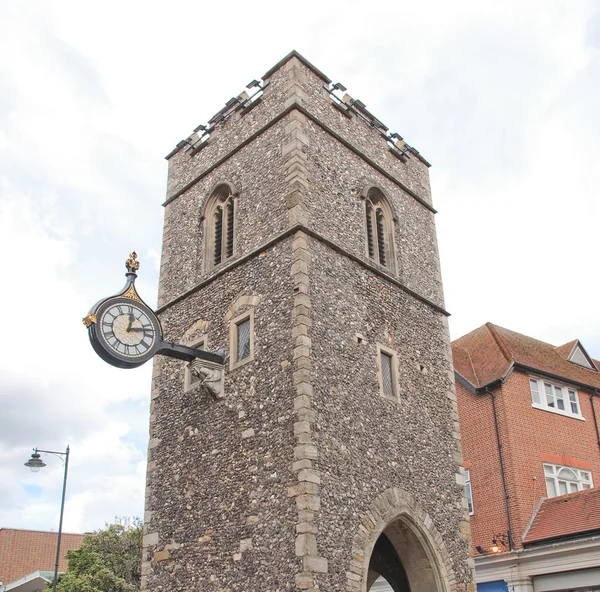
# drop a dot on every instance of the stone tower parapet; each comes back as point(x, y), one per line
point(336, 439)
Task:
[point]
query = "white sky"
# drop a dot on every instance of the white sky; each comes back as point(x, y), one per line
point(501, 97)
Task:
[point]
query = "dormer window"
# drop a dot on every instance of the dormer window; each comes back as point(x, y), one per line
point(219, 229)
point(379, 228)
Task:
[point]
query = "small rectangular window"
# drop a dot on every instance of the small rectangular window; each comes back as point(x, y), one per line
point(243, 340)
point(241, 336)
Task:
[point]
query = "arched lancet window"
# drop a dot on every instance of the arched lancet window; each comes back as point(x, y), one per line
point(219, 230)
point(379, 228)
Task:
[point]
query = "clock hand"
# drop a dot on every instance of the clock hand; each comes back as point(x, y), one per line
point(131, 319)
point(138, 329)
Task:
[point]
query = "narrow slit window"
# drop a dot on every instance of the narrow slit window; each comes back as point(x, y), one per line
point(386, 375)
point(469, 491)
point(387, 363)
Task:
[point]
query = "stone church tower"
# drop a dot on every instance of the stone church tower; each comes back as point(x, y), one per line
point(299, 239)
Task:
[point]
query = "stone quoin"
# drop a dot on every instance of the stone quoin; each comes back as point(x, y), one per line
point(299, 238)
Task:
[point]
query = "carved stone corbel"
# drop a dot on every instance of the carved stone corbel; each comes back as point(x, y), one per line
point(206, 376)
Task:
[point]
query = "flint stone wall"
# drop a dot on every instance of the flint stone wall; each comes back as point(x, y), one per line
point(271, 487)
point(368, 444)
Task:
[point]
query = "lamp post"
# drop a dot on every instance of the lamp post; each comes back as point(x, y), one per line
point(35, 463)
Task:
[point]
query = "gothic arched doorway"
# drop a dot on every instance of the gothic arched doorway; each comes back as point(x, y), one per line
point(398, 547)
point(401, 557)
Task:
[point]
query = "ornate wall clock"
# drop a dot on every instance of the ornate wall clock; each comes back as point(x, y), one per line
point(125, 332)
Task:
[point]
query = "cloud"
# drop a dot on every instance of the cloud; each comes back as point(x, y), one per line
point(500, 97)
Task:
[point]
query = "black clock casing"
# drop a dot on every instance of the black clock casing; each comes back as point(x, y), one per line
point(125, 332)
point(123, 329)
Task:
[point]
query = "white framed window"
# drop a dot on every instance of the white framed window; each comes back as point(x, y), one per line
point(387, 370)
point(241, 338)
point(561, 480)
point(469, 492)
point(558, 398)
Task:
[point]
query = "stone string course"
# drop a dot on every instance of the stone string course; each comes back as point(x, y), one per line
point(286, 483)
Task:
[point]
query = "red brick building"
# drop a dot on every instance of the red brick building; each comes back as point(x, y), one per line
point(23, 552)
point(529, 415)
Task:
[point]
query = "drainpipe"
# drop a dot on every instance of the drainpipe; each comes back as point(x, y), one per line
point(504, 488)
point(595, 394)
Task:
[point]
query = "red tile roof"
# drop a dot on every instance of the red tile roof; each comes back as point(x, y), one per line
point(489, 352)
point(25, 551)
point(566, 515)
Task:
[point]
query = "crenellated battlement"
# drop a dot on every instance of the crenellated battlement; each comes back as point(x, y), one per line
point(295, 83)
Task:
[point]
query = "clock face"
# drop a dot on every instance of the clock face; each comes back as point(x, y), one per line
point(127, 330)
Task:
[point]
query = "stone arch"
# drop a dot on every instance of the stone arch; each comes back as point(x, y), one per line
point(376, 193)
point(219, 214)
point(396, 530)
point(219, 191)
point(379, 227)
point(241, 303)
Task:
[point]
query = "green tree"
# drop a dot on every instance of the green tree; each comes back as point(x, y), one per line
point(108, 560)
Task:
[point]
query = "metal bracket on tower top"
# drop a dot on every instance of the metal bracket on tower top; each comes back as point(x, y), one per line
point(188, 354)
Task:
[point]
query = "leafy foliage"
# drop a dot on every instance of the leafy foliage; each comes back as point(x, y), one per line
point(108, 560)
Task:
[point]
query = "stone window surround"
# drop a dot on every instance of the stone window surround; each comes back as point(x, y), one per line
point(220, 194)
point(188, 379)
point(374, 196)
point(393, 354)
point(233, 339)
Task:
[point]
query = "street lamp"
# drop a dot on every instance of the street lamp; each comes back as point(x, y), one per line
point(35, 463)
